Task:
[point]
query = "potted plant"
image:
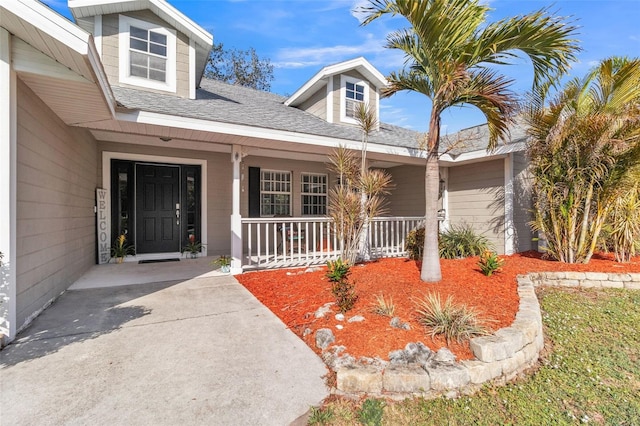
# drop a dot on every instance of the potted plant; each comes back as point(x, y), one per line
point(224, 262)
point(194, 247)
point(121, 249)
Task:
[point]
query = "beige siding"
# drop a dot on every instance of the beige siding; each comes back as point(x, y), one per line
point(317, 104)
point(337, 93)
point(56, 180)
point(110, 54)
point(522, 204)
point(295, 167)
point(407, 197)
point(219, 174)
point(476, 197)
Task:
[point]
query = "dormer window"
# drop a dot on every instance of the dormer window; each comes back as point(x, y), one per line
point(147, 55)
point(353, 93)
point(354, 97)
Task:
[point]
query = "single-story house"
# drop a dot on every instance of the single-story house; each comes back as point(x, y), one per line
point(107, 127)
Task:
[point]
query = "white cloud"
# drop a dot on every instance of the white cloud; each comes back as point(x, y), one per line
point(355, 9)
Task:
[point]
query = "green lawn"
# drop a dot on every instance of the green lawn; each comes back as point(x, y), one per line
point(590, 374)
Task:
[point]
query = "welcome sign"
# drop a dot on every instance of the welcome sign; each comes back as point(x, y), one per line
point(103, 236)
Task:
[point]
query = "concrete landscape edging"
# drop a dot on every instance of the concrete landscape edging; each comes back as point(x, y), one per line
point(499, 358)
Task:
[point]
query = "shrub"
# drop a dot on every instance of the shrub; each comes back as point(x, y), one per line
point(454, 321)
point(414, 243)
point(344, 290)
point(318, 416)
point(370, 414)
point(384, 307)
point(489, 262)
point(461, 241)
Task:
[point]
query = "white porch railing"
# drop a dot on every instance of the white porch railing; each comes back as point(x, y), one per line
point(304, 241)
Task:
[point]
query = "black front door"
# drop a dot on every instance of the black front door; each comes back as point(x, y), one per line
point(157, 208)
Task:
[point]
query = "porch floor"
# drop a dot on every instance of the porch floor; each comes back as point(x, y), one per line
point(128, 273)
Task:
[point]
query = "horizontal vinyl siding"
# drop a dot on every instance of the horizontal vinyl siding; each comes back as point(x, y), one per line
point(317, 104)
point(476, 198)
point(56, 180)
point(295, 167)
point(110, 50)
point(522, 204)
point(407, 196)
point(219, 191)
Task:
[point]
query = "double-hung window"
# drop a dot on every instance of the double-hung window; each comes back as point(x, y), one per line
point(147, 54)
point(275, 193)
point(354, 94)
point(314, 194)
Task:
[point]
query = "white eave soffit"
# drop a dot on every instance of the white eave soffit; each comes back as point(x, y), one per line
point(360, 64)
point(86, 8)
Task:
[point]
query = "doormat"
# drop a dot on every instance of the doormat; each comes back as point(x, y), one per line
point(158, 260)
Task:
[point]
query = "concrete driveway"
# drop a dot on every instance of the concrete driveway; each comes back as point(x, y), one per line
point(195, 351)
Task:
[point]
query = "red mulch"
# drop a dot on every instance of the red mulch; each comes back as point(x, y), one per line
point(294, 297)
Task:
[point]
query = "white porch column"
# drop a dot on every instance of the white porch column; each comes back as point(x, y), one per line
point(8, 199)
point(509, 231)
point(236, 219)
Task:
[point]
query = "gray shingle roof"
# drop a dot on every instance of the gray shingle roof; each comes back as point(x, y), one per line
point(222, 102)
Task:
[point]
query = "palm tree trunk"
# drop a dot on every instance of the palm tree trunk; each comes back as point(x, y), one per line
point(430, 255)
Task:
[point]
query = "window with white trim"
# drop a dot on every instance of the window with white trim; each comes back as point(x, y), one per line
point(314, 194)
point(147, 54)
point(353, 93)
point(354, 97)
point(275, 193)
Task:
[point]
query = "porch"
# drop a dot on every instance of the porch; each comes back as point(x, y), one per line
point(304, 241)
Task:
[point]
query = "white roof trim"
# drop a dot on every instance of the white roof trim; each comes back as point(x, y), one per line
point(82, 8)
point(167, 120)
point(500, 151)
point(361, 64)
point(40, 16)
point(65, 32)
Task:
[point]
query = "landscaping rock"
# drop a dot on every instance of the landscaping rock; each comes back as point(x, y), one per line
point(339, 326)
point(447, 376)
point(416, 353)
point(444, 356)
point(362, 379)
point(396, 322)
point(324, 337)
point(340, 317)
point(357, 318)
point(406, 378)
point(323, 310)
point(307, 331)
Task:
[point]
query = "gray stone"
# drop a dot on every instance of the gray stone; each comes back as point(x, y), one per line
point(619, 277)
point(569, 283)
point(307, 331)
point(596, 276)
point(613, 284)
point(480, 372)
point(531, 353)
point(528, 328)
point(396, 322)
point(447, 376)
point(632, 285)
point(635, 277)
point(444, 356)
point(513, 364)
point(340, 317)
point(397, 357)
point(361, 379)
point(515, 339)
point(489, 348)
point(357, 318)
point(416, 353)
point(324, 337)
point(323, 310)
point(591, 283)
point(312, 269)
point(571, 275)
point(406, 378)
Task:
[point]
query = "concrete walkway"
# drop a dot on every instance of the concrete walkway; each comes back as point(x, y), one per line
point(192, 351)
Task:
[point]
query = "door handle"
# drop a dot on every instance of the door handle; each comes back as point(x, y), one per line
point(177, 214)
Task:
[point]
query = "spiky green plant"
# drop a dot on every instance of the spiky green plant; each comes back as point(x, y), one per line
point(625, 224)
point(584, 145)
point(461, 241)
point(383, 306)
point(453, 321)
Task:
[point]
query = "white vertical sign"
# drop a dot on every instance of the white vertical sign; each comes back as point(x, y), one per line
point(103, 227)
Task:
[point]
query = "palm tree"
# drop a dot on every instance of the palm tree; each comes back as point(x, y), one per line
point(584, 148)
point(449, 52)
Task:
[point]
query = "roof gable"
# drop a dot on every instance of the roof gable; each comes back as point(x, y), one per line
point(360, 64)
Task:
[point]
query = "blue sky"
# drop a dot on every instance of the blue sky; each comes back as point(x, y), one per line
point(302, 36)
